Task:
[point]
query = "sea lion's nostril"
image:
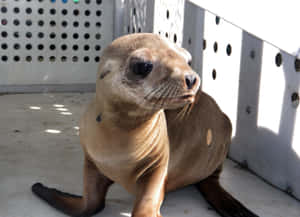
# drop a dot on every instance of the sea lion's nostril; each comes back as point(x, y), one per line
point(190, 81)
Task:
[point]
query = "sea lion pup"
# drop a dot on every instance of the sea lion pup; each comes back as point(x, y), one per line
point(124, 132)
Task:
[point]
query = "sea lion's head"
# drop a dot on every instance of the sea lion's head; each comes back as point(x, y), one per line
point(144, 71)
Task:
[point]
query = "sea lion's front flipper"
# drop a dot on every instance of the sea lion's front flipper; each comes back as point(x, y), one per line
point(92, 202)
point(225, 204)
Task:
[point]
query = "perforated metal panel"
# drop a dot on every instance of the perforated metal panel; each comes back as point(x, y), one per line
point(53, 41)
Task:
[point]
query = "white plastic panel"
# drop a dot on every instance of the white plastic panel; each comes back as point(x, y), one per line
point(257, 86)
point(53, 42)
point(193, 34)
point(221, 70)
point(272, 21)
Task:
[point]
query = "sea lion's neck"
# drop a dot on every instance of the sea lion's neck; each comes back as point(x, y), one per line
point(124, 115)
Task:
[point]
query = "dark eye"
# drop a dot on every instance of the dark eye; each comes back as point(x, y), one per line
point(142, 69)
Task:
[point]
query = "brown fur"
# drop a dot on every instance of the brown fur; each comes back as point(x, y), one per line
point(136, 143)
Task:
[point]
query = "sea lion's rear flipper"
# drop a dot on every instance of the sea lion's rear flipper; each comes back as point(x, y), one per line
point(225, 204)
point(93, 201)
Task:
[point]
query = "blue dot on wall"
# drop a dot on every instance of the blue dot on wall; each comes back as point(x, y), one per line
point(64, 1)
point(53, 1)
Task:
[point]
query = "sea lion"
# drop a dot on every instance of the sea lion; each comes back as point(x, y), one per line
point(150, 129)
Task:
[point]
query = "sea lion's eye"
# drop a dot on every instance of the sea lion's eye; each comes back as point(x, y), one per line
point(142, 69)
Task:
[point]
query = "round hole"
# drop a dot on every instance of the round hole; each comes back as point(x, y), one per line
point(4, 46)
point(40, 35)
point(98, 24)
point(295, 99)
point(28, 46)
point(40, 46)
point(3, 10)
point(75, 36)
point(86, 35)
point(64, 59)
point(41, 23)
point(86, 59)
point(97, 59)
point(168, 14)
point(64, 1)
point(75, 24)
point(41, 11)
point(4, 22)
point(75, 59)
point(248, 110)
point(40, 58)
point(28, 10)
point(98, 36)
point(297, 65)
point(52, 11)
point(16, 58)
point(214, 74)
point(75, 47)
point(16, 22)
point(16, 34)
point(86, 47)
point(98, 13)
point(97, 47)
point(52, 47)
point(64, 12)
point(28, 35)
point(215, 47)
point(52, 59)
point(52, 35)
point(28, 58)
point(175, 38)
point(87, 24)
point(64, 47)
point(87, 1)
point(228, 49)
point(218, 20)
point(167, 35)
point(252, 54)
point(98, 2)
point(52, 23)
point(204, 44)
point(76, 12)
point(4, 58)
point(64, 35)
point(87, 13)
point(16, 10)
point(28, 22)
point(4, 34)
point(278, 59)
point(17, 46)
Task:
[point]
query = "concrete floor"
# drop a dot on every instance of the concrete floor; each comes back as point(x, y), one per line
point(39, 142)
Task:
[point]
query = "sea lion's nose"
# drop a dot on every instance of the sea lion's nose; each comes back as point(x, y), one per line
point(190, 81)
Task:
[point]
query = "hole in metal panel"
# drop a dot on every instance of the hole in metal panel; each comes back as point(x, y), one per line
point(4, 22)
point(97, 59)
point(4, 46)
point(297, 65)
point(41, 23)
point(16, 10)
point(64, 59)
point(64, 47)
point(214, 74)
point(295, 99)
point(52, 47)
point(278, 59)
point(76, 12)
point(76, 24)
point(216, 47)
point(87, 13)
point(52, 35)
point(3, 9)
point(4, 58)
point(40, 47)
point(75, 47)
point(64, 12)
point(16, 58)
point(75, 59)
point(218, 19)
point(28, 22)
point(98, 13)
point(97, 47)
point(52, 59)
point(41, 11)
point(204, 44)
point(28, 10)
point(41, 35)
point(98, 36)
point(75, 35)
point(64, 23)
point(17, 46)
point(16, 22)
point(40, 58)
point(228, 50)
point(28, 58)
point(86, 36)
point(168, 14)
point(28, 46)
point(86, 59)
point(175, 38)
point(98, 24)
